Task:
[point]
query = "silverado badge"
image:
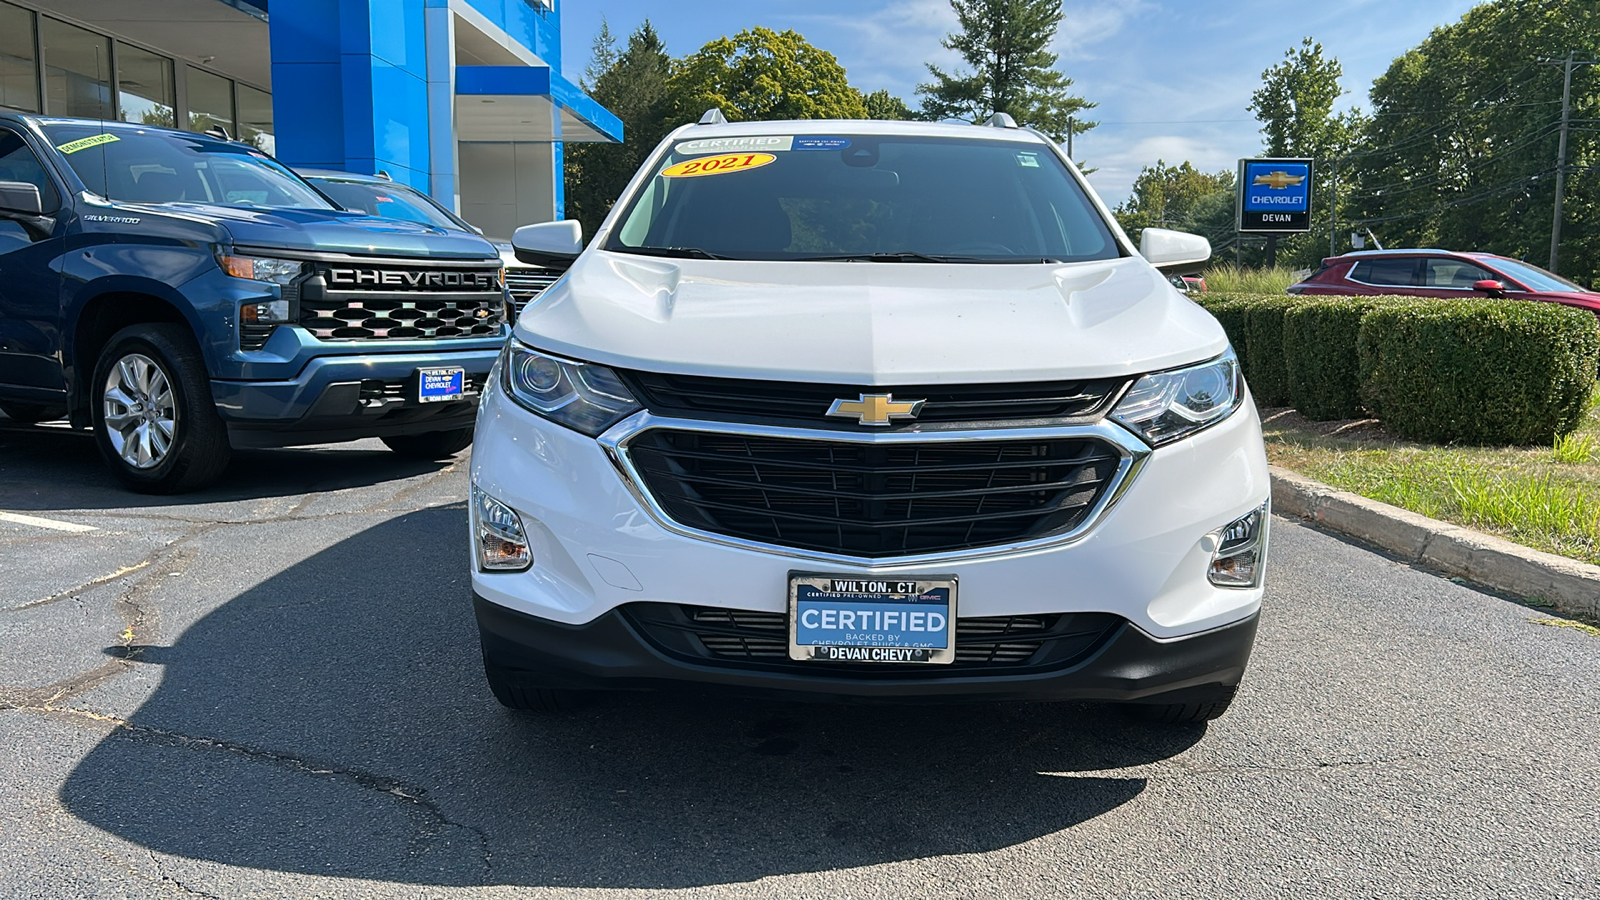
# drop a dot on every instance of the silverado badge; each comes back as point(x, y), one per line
point(876, 409)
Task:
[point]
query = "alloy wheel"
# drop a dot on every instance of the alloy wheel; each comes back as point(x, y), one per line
point(140, 415)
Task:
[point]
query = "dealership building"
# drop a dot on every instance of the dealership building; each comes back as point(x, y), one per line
point(463, 99)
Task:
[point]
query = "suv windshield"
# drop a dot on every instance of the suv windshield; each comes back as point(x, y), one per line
point(1538, 279)
point(135, 165)
point(891, 198)
point(387, 201)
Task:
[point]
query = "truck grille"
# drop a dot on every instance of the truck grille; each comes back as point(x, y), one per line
point(806, 405)
point(406, 303)
point(761, 639)
point(874, 500)
point(527, 284)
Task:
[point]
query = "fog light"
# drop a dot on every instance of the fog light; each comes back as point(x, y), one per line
point(500, 541)
point(264, 312)
point(1241, 550)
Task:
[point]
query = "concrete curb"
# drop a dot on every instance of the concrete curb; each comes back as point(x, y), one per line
point(1572, 587)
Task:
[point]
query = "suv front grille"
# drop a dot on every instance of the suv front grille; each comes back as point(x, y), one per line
point(527, 284)
point(806, 405)
point(877, 499)
point(410, 305)
point(761, 639)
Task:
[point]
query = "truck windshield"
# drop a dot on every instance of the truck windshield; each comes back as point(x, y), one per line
point(387, 201)
point(879, 198)
point(136, 165)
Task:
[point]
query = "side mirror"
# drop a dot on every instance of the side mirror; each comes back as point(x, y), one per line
point(1490, 286)
point(553, 245)
point(20, 197)
point(1161, 247)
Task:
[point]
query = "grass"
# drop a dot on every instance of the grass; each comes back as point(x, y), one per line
point(1542, 497)
point(1230, 279)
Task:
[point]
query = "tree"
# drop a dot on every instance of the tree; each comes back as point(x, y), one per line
point(763, 74)
point(883, 105)
point(1004, 42)
point(633, 84)
point(1179, 197)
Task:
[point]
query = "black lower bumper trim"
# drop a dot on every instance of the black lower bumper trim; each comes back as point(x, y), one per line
point(609, 653)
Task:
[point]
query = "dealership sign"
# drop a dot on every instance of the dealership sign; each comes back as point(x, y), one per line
point(1274, 195)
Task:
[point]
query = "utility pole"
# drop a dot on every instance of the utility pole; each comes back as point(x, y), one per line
point(1567, 65)
point(1072, 123)
point(1333, 209)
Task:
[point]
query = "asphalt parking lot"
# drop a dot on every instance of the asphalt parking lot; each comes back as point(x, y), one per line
point(272, 689)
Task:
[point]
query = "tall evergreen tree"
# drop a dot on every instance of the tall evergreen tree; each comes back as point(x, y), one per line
point(1005, 43)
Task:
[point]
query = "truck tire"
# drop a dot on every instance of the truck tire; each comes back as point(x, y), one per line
point(521, 697)
point(1190, 713)
point(30, 413)
point(152, 411)
point(432, 445)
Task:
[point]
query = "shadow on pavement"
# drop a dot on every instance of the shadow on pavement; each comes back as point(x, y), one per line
point(48, 467)
point(333, 720)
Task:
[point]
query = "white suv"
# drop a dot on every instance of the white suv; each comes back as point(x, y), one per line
point(867, 409)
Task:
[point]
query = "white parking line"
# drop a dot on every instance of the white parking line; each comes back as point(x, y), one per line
point(52, 524)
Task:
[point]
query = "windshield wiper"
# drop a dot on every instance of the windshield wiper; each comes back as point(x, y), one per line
point(678, 252)
point(908, 256)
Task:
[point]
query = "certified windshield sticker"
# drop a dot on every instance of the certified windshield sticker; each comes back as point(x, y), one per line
point(86, 143)
point(764, 144)
point(718, 165)
point(1028, 160)
point(821, 143)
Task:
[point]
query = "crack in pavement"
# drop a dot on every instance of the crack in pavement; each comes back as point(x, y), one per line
point(91, 583)
point(413, 797)
point(161, 871)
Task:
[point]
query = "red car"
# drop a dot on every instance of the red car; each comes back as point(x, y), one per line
point(1440, 273)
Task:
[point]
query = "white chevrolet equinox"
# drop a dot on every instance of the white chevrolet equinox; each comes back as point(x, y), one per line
point(875, 410)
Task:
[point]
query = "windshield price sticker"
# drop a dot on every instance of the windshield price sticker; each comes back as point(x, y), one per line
point(767, 144)
point(718, 165)
point(86, 143)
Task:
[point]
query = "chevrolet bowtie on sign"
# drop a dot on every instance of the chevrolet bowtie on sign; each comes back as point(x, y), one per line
point(876, 409)
point(1274, 195)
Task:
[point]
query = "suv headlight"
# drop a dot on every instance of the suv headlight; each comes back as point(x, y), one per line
point(1168, 406)
point(256, 268)
point(583, 397)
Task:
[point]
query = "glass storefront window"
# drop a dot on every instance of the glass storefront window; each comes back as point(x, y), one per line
point(19, 67)
point(145, 93)
point(255, 119)
point(77, 70)
point(210, 102)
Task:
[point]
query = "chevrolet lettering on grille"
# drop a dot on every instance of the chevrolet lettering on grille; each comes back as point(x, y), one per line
point(418, 279)
point(876, 409)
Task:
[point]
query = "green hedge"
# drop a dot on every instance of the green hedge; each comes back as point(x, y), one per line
point(1254, 323)
point(1478, 371)
point(1322, 367)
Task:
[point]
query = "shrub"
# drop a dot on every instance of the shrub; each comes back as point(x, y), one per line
point(1478, 371)
point(1230, 312)
point(1322, 370)
point(1267, 370)
point(1231, 279)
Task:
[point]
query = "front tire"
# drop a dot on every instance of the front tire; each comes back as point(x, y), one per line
point(1194, 713)
point(433, 445)
point(516, 695)
point(153, 415)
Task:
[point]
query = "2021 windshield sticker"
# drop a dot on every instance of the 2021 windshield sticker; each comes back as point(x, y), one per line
point(718, 165)
point(86, 143)
point(759, 144)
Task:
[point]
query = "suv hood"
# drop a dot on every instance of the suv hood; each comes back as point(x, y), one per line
point(336, 231)
point(870, 323)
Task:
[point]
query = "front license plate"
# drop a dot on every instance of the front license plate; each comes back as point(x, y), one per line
point(438, 385)
point(841, 618)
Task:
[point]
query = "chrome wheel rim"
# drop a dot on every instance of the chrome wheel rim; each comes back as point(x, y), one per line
point(139, 413)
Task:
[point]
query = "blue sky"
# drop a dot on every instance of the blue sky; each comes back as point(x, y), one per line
point(1172, 78)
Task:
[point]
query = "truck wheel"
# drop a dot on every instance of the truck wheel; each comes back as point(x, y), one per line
point(154, 419)
point(1190, 713)
point(432, 445)
point(514, 695)
point(30, 413)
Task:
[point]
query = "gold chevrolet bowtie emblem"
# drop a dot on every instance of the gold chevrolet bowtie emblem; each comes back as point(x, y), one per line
point(876, 409)
point(1279, 180)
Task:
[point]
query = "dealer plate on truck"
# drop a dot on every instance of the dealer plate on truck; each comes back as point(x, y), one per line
point(439, 385)
point(847, 619)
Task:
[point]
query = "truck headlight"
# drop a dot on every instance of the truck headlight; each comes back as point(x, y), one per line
point(499, 540)
point(1241, 550)
point(256, 268)
point(583, 397)
point(1168, 406)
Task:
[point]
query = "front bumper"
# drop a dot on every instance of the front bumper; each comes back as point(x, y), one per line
point(613, 652)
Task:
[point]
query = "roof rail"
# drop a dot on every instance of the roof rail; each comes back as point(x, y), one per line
point(217, 131)
point(1000, 120)
point(713, 116)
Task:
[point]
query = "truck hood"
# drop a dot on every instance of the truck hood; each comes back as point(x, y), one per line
point(870, 323)
point(336, 231)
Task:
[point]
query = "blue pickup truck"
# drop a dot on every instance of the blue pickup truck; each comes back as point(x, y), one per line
point(183, 295)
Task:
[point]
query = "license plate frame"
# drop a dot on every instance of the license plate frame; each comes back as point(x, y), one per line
point(442, 384)
point(909, 640)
